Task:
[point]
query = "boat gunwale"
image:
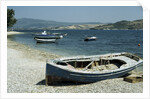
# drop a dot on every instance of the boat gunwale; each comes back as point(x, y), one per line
point(93, 56)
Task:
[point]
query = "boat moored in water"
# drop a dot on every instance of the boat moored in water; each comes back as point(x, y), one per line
point(93, 38)
point(60, 34)
point(45, 35)
point(45, 40)
point(89, 69)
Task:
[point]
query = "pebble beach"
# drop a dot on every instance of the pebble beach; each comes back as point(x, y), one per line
point(26, 74)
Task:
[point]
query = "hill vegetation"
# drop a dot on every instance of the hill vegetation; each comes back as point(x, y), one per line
point(131, 25)
point(29, 23)
point(37, 24)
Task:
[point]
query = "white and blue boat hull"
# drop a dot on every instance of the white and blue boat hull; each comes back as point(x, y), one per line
point(85, 77)
point(63, 73)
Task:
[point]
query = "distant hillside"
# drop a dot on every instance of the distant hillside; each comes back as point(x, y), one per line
point(131, 25)
point(28, 23)
point(75, 27)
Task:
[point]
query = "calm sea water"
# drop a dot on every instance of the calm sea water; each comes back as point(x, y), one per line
point(108, 41)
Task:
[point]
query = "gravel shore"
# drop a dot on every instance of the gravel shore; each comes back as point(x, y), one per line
point(26, 74)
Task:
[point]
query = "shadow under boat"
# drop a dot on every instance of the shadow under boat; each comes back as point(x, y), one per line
point(71, 83)
point(62, 83)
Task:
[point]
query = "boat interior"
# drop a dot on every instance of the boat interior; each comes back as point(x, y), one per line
point(98, 64)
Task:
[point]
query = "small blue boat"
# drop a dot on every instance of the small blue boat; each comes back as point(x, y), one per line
point(93, 38)
point(89, 69)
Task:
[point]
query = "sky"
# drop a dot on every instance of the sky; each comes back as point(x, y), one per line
point(103, 14)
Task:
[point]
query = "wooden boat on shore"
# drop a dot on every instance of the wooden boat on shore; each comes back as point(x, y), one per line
point(93, 38)
point(45, 40)
point(91, 68)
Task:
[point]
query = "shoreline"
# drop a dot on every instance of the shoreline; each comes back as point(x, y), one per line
point(26, 74)
point(13, 33)
point(30, 52)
